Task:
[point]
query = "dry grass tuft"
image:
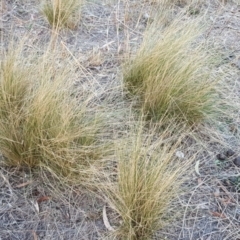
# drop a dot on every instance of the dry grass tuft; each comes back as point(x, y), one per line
point(62, 13)
point(149, 177)
point(170, 74)
point(42, 123)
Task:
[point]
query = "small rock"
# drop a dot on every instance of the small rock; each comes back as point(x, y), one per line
point(221, 157)
point(236, 161)
point(146, 16)
point(230, 153)
point(180, 154)
point(228, 57)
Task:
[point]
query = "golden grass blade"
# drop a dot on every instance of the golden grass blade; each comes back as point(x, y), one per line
point(149, 177)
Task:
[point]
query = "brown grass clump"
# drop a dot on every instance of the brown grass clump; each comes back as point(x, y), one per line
point(149, 177)
point(170, 74)
point(40, 123)
point(62, 13)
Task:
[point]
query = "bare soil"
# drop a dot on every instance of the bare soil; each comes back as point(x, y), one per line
point(210, 210)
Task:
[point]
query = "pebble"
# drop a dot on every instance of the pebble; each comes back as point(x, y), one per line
point(221, 157)
point(230, 153)
point(236, 161)
point(180, 154)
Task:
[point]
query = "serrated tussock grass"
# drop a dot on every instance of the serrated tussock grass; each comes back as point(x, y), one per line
point(170, 73)
point(62, 13)
point(148, 179)
point(42, 122)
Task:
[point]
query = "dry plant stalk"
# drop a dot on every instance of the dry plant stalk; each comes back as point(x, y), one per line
point(41, 123)
point(148, 178)
point(62, 13)
point(169, 3)
point(170, 73)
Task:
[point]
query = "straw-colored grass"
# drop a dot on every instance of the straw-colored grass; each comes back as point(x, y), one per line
point(149, 177)
point(62, 13)
point(40, 123)
point(170, 73)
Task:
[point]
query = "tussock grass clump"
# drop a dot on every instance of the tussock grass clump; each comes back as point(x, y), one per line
point(62, 13)
point(149, 177)
point(41, 123)
point(170, 74)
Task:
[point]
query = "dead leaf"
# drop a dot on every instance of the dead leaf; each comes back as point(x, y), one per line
point(34, 235)
point(105, 220)
point(35, 204)
point(197, 167)
point(43, 198)
point(23, 184)
point(217, 214)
